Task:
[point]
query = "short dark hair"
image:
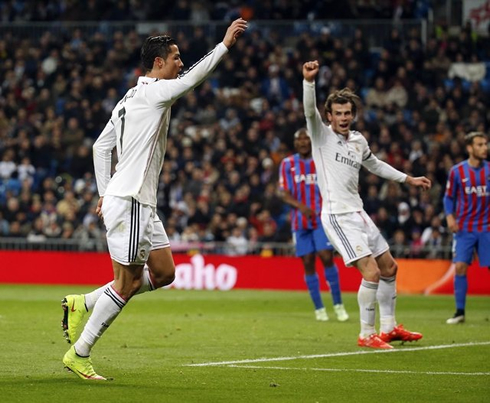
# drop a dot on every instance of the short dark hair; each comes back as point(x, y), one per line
point(468, 139)
point(155, 46)
point(344, 96)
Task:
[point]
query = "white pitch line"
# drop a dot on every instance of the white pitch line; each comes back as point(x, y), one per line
point(307, 357)
point(383, 371)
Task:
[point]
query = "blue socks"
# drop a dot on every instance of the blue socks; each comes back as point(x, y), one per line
point(460, 289)
point(332, 277)
point(313, 285)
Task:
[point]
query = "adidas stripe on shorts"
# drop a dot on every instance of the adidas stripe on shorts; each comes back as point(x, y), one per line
point(354, 235)
point(133, 230)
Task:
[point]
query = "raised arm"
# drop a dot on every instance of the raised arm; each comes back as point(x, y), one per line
point(314, 120)
point(235, 29)
point(170, 90)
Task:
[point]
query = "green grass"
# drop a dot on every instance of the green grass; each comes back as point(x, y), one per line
point(149, 347)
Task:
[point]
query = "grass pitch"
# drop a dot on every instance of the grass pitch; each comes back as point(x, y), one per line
point(242, 346)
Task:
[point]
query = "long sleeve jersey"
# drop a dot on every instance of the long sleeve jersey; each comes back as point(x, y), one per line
point(338, 160)
point(138, 129)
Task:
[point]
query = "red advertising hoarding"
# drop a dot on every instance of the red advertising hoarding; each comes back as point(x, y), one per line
point(218, 272)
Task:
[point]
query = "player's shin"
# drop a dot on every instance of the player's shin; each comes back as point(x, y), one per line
point(386, 297)
point(106, 310)
point(332, 276)
point(366, 297)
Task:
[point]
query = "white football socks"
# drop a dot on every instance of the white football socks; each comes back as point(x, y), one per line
point(366, 298)
point(106, 309)
point(387, 300)
point(92, 297)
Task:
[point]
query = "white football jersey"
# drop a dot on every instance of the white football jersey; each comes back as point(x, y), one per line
point(338, 160)
point(138, 129)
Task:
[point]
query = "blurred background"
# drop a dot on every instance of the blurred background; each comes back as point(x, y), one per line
point(421, 67)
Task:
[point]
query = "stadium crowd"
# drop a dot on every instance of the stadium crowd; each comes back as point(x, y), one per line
point(227, 138)
point(203, 10)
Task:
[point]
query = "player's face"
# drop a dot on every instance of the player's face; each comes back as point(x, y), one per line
point(302, 144)
point(172, 65)
point(479, 148)
point(341, 118)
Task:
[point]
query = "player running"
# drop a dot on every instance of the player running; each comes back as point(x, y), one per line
point(135, 235)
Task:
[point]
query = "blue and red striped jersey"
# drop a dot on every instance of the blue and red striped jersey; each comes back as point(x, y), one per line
point(468, 196)
point(298, 176)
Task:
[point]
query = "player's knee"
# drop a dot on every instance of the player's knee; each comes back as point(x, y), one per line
point(169, 277)
point(309, 263)
point(164, 277)
point(370, 271)
point(328, 262)
point(136, 285)
point(372, 275)
point(326, 257)
point(461, 269)
point(392, 269)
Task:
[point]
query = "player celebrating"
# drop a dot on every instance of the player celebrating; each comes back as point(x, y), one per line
point(299, 188)
point(138, 129)
point(339, 153)
point(467, 209)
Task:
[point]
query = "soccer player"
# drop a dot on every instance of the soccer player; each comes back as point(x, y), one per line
point(298, 188)
point(467, 209)
point(339, 153)
point(138, 129)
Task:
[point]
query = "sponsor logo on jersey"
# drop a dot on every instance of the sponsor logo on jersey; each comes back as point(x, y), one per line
point(480, 191)
point(347, 161)
point(309, 179)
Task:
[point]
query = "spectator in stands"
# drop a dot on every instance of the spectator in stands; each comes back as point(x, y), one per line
point(416, 244)
point(398, 245)
point(376, 96)
point(274, 87)
point(238, 243)
point(7, 164)
point(15, 230)
point(4, 225)
point(26, 171)
point(397, 95)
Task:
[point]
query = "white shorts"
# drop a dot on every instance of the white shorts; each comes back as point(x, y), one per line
point(354, 235)
point(133, 230)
